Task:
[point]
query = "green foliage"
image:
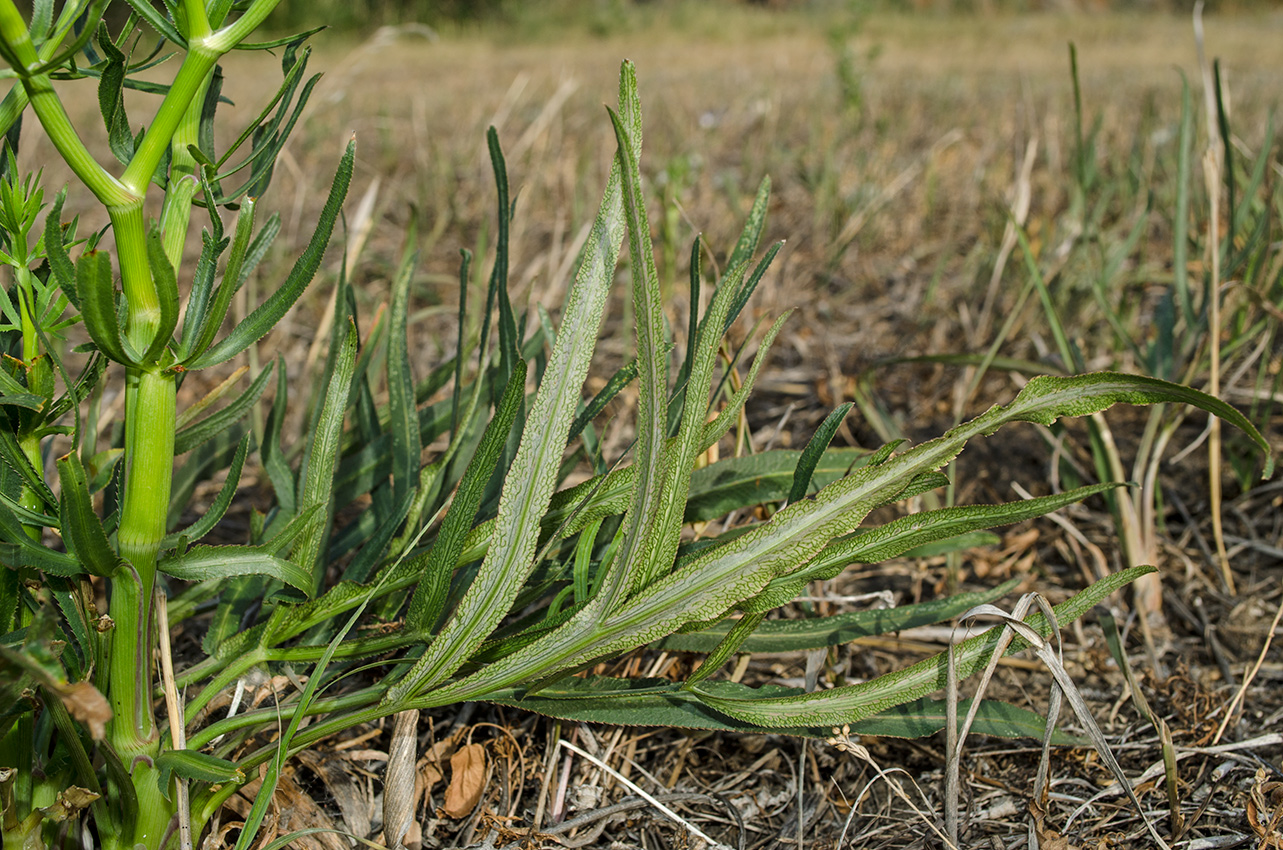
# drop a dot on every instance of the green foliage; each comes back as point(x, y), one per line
point(493, 580)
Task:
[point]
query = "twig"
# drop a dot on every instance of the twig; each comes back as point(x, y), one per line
point(636, 789)
point(1247, 680)
point(174, 705)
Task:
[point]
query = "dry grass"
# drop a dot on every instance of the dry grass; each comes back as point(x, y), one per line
point(894, 217)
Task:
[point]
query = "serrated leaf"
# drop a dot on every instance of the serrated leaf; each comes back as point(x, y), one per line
point(317, 486)
point(267, 314)
point(203, 563)
point(81, 527)
point(850, 703)
point(820, 632)
point(190, 764)
point(218, 508)
point(97, 294)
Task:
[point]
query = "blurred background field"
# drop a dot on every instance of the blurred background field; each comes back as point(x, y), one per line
point(902, 139)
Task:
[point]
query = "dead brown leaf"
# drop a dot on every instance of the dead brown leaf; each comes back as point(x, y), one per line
point(467, 780)
point(87, 704)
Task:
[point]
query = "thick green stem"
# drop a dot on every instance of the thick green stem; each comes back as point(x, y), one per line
point(176, 215)
point(148, 478)
point(188, 87)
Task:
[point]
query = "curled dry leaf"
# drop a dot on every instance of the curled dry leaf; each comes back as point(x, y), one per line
point(467, 780)
point(69, 804)
point(1265, 810)
point(87, 704)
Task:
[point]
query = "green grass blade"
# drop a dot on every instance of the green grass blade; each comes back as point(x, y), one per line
point(622, 378)
point(403, 419)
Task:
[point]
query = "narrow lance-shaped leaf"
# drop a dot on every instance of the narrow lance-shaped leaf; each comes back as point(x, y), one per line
point(97, 294)
point(80, 526)
point(318, 485)
point(209, 520)
point(207, 322)
point(204, 563)
point(532, 477)
point(815, 449)
point(61, 268)
point(203, 767)
point(439, 564)
point(631, 567)
point(907, 533)
point(751, 234)
point(711, 585)
point(850, 703)
point(820, 632)
point(265, 317)
point(660, 548)
point(13, 455)
point(403, 419)
point(166, 292)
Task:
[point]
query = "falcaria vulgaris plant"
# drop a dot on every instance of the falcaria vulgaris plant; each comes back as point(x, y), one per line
point(489, 579)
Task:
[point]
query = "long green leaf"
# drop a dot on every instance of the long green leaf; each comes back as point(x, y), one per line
point(218, 508)
point(712, 584)
point(80, 526)
point(265, 317)
point(204, 563)
point(815, 449)
point(403, 420)
point(438, 566)
point(317, 486)
point(97, 295)
point(532, 478)
point(631, 568)
point(850, 703)
point(820, 632)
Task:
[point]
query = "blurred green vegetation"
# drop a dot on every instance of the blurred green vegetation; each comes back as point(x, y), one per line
point(604, 17)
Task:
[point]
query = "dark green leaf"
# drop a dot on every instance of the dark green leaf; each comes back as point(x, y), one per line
point(81, 528)
point(197, 433)
point(819, 443)
point(265, 317)
point(203, 563)
point(190, 764)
